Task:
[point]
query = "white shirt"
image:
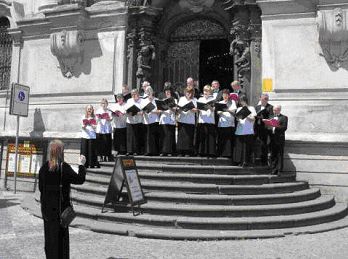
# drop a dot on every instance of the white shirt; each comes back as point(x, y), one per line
point(151, 117)
point(136, 118)
point(103, 125)
point(167, 117)
point(118, 122)
point(87, 132)
point(226, 119)
point(189, 116)
point(246, 126)
point(208, 115)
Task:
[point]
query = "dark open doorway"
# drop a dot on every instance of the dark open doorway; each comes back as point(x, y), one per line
point(215, 63)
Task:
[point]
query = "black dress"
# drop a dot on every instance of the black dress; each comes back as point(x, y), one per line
point(56, 237)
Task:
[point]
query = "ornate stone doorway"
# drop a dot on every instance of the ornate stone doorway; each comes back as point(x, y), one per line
point(190, 46)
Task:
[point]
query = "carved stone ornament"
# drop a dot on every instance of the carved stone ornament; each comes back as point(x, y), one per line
point(196, 6)
point(333, 36)
point(68, 47)
point(198, 29)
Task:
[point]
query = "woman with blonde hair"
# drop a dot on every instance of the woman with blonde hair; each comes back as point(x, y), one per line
point(88, 137)
point(104, 130)
point(55, 177)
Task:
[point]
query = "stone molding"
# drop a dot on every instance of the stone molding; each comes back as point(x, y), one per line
point(68, 47)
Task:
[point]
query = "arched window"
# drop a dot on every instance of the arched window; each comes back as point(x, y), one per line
point(5, 53)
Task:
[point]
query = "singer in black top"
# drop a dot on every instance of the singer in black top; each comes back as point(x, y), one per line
point(278, 140)
point(52, 203)
point(263, 111)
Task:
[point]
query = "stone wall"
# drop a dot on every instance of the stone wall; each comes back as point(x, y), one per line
point(312, 92)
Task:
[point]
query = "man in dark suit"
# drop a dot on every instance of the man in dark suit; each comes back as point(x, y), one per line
point(264, 111)
point(217, 92)
point(277, 134)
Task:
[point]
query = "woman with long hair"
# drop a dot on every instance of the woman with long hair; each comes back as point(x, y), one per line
point(104, 139)
point(88, 137)
point(55, 177)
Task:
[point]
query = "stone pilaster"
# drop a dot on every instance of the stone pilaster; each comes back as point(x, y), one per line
point(131, 57)
point(255, 54)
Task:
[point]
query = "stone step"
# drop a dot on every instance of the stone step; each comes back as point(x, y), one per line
point(201, 178)
point(223, 223)
point(203, 235)
point(200, 210)
point(148, 185)
point(216, 199)
point(176, 160)
point(198, 169)
point(107, 171)
point(146, 231)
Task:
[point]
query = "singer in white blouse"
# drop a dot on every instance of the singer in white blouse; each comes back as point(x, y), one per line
point(186, 124)
point(244, 134)
point(206, 132)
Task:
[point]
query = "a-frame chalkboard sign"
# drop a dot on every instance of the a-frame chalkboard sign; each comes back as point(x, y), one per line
point(125, 173)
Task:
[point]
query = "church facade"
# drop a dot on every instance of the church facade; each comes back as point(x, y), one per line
point(72, 53)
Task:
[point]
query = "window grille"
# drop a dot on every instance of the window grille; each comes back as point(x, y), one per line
point(5, 54)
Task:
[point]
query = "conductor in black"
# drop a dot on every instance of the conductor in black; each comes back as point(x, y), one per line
point(278, 140)
point(55, 199)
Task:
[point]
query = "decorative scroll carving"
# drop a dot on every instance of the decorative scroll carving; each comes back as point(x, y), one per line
point(333, 36)
point(196, 6)
point(68, 47)
point(198, 29)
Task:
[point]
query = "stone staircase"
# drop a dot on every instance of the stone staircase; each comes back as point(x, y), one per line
point(207, 199)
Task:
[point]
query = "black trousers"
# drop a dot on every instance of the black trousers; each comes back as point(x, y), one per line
point(207, 139)
point(56, 240)
point(263, 136)
point(277, 156)
point(185, 138)
point(120, 140)
point(167, 139)
point(135, 138)
point(89, 150)
point(243, 148)
point(104, 144)
point(225, 142)
point(152, 139)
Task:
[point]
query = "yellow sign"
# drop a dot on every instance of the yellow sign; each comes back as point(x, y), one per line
point(30, 159)
point(128, 162)
point(267, 85)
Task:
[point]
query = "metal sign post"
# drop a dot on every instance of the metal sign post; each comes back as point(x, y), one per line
point(19, 106)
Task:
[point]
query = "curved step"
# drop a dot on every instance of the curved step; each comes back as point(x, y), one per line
point(245, 223)
point(204, 188)
point(189, 169)
point(202, 178)
point(143, 231)
point(199, 210)
point(176, 160)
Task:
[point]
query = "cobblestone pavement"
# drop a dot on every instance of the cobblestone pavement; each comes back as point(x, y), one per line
point(21, 236)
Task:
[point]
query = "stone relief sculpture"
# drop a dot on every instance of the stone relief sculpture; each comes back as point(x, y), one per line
point(146, 56)
point(68, 47)
point(333, 36)
point(240, 49)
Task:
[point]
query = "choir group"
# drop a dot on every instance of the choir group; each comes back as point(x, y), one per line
point(216, 123)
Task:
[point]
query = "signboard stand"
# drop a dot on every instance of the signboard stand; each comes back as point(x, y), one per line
point(18, 106)
point(125, 173)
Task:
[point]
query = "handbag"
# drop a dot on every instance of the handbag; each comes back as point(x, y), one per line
point(68, 214)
